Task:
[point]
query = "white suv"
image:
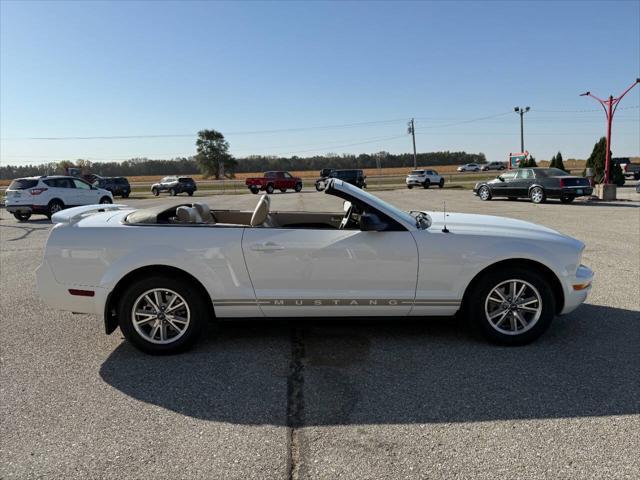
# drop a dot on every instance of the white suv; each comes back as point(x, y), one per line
point(424, 178)
point(50, 194)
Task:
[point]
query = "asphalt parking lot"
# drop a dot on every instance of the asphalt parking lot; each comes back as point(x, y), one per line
point(331, 399)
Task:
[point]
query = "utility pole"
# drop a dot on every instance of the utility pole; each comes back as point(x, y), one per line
point(521, 111)
point(609, 106)
point(412, 131)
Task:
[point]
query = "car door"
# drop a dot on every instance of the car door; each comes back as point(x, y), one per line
point(520, 186)
point(327, 272)
point(503, 188)
point(84, 193)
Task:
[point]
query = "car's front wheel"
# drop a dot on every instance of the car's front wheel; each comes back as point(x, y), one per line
point(162, 315)
point(105, 200)
point(155, 192)
point(298, 188)
point(511, 306)
point(172, 192)
point(254, 190)
point(320, 186)
point(22, 217)
point(270, 189)
point(484, 193)
point(537, 195)
point(409, 187)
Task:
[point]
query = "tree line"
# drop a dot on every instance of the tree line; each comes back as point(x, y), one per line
point(256, 163)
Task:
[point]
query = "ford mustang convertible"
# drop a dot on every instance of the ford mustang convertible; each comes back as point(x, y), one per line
point(161, 273)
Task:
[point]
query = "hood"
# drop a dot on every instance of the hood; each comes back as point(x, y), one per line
point(490, 225)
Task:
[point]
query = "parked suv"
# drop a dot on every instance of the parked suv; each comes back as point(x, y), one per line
point(354, 177)
point(50, 194)
point(494, 166)
point(424, 179)
point(174, 185)
point(116, 185)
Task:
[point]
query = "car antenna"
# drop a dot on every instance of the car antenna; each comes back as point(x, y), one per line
point(444, 228)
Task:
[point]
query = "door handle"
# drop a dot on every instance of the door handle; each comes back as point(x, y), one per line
point(266, 247)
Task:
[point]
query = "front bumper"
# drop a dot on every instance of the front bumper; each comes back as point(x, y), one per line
point(577, 288)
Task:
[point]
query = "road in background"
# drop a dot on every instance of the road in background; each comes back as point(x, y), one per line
point(390, 399)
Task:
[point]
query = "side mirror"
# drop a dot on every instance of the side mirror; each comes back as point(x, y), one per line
point(370, 222)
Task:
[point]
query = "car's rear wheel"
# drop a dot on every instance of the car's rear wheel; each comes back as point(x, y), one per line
point(283, 190)
point(125, 195)
point(409, 187)
point(172, 192)
point(567, 199)
point(190, 193)
point(537, 195)
point(54, 206)
point(484, 193)
point(254, 190)
point(155, 192)
point(511, 306)
point(426, 184)
point(298, 187)
point(270, 189)
point(105, 200)
point(22, 217)
point(441, 183)
point(161, 314)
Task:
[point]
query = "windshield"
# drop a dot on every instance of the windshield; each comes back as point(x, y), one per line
point(374, 201)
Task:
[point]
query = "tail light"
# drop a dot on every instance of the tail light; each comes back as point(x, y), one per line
point(561, 183)
point(37, 191)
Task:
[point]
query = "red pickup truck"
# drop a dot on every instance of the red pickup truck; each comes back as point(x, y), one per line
point(282, 181)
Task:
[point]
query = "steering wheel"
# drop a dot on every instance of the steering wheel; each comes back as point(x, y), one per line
point(346, 218)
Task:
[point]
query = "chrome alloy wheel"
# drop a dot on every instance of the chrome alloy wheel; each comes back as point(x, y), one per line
point(513, 307)
point(537, 195)
point(55, 208)
point(484, 193)
point(160, 316)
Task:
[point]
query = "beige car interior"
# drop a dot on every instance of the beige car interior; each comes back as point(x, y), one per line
point(261, 216)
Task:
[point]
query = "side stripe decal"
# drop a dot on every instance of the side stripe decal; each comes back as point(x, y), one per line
point(343, 302)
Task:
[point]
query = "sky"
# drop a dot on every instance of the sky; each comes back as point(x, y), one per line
point(305, 78)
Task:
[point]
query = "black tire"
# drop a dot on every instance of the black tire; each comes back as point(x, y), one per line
point(298, 188)
point(441, 183)
point(270, 189)
point(477, 305)
point(426, 184)
point(105, 200)
point(319, 186)
point(190, 193)
point(125, 195)
point(537, 195)
point(54, 207)
point(198, 309)
point(567, 199)
point(254, 190)
point(636, 176)
point(283, 190)
point(172, 192)
point(155, 192)
point(22, 217)
point(484, 193)
point(409, 187)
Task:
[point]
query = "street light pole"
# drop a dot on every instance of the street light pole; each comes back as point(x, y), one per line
point(521, 111)
point(609, 106)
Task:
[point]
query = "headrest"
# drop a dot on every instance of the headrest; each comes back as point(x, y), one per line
point(204, 211)
point(188, 215)
point(261, 212)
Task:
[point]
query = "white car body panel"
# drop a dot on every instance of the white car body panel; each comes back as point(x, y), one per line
point(419, 179)
point(262, 271)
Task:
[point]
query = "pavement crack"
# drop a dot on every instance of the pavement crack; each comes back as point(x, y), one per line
point(295, 402)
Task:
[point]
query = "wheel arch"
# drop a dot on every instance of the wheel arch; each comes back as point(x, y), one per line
point(554, 281)
point(110, 308)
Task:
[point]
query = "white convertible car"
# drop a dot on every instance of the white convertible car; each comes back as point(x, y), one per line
point(161, 273)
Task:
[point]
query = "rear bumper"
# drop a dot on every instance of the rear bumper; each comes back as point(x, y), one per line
point(581, 191)
point(577, 288)
point(17, 208)
point(414, 181)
